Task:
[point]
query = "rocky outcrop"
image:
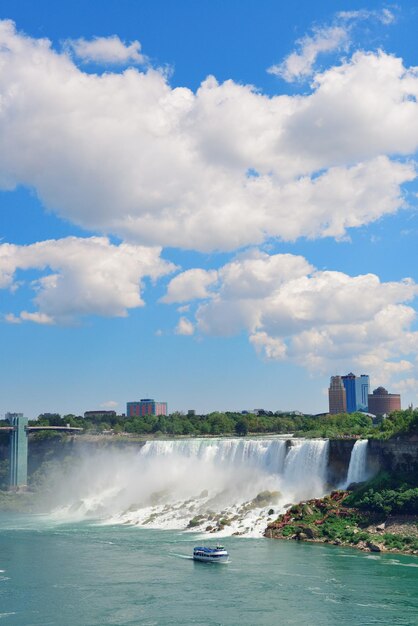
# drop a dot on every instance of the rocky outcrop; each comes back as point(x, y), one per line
point(339, 460)
point(392, 455)
point(330, 520)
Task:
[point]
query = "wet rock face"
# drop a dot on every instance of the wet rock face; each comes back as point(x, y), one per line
point(390, 455)
point(339, 459)
point(394, 455)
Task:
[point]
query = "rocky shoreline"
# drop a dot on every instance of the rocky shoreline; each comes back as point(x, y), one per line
point(330, 520)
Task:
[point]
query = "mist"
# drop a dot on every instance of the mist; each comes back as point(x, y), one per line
point(221, 486)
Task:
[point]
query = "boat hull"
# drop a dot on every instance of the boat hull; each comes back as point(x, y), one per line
point(211, 559)
point(211, 555)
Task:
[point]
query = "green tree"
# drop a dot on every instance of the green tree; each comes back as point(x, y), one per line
point(241, 427)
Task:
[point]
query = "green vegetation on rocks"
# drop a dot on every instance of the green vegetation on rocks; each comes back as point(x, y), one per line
point(380, 515)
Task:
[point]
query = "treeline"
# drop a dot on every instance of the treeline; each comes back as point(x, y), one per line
point(398, 424)
point(216, 423)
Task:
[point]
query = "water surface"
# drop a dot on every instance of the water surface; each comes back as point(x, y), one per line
point(87, 575)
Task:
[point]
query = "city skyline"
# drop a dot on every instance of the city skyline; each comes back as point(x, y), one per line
point(201, 218)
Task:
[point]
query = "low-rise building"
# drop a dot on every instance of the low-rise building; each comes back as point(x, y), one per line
point(99, 414)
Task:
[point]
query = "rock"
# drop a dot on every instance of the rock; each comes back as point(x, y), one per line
point(204, 493)
point(374, 547)
point(208, 528)
point(308, 532)
point(305, 532)
point(266, 497)
point(381, 527)
point(302, 536)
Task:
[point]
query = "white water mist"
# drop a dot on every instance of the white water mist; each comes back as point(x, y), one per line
point(224, 485)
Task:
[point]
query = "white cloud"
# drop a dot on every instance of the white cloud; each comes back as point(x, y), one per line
point(87, 276)
point(300, 64)
point(225, 167)
point(37, 317)
point(106, 50)
point(331, 38)
point(190, 285)
point(385, 16)
point(406, 384)
point(10, 318)
point(271, 347)
point(323, 320)
point(184, 327)
point(109, 404)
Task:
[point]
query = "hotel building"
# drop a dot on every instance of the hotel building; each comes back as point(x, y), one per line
point(337, 396)
point(382, 403)
point(146, 406)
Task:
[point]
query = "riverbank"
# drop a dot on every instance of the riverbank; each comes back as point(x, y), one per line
point(332, 520)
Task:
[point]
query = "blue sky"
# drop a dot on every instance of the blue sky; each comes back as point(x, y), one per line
point(209, 203)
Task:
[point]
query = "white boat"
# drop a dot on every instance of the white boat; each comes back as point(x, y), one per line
point(211, 555)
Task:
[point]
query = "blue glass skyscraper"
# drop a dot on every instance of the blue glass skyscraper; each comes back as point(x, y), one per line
point(357, 390)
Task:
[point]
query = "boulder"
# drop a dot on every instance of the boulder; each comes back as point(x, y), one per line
point(308, 532)
point(374, 547)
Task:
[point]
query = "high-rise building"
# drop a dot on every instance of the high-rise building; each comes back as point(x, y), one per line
point(146, 406)
point(382, 403)
point(337, 396)
point(357, 391)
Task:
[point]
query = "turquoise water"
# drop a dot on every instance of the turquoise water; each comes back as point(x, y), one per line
point(88, 575)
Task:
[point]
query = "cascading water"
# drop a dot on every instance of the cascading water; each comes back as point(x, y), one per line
point(357, 469)
point(224, 486)
point(266, 454)
point(306, 466)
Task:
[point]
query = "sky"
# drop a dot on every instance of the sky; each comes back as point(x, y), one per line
point(211, 203)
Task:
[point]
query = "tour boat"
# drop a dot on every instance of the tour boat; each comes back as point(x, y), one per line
point(211, 555)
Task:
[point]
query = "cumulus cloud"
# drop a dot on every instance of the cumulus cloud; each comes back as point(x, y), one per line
point(184, 327)
point(322, 320)
point(218, 169)
point(81, 277)
point(106, 50)
point(190, 285)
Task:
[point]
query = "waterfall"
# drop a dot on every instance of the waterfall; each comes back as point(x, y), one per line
point(264, 454)
point(306, 466)
point(222, 485)
point(357, 469)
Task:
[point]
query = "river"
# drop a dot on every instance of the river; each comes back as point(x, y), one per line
point(87, 574)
